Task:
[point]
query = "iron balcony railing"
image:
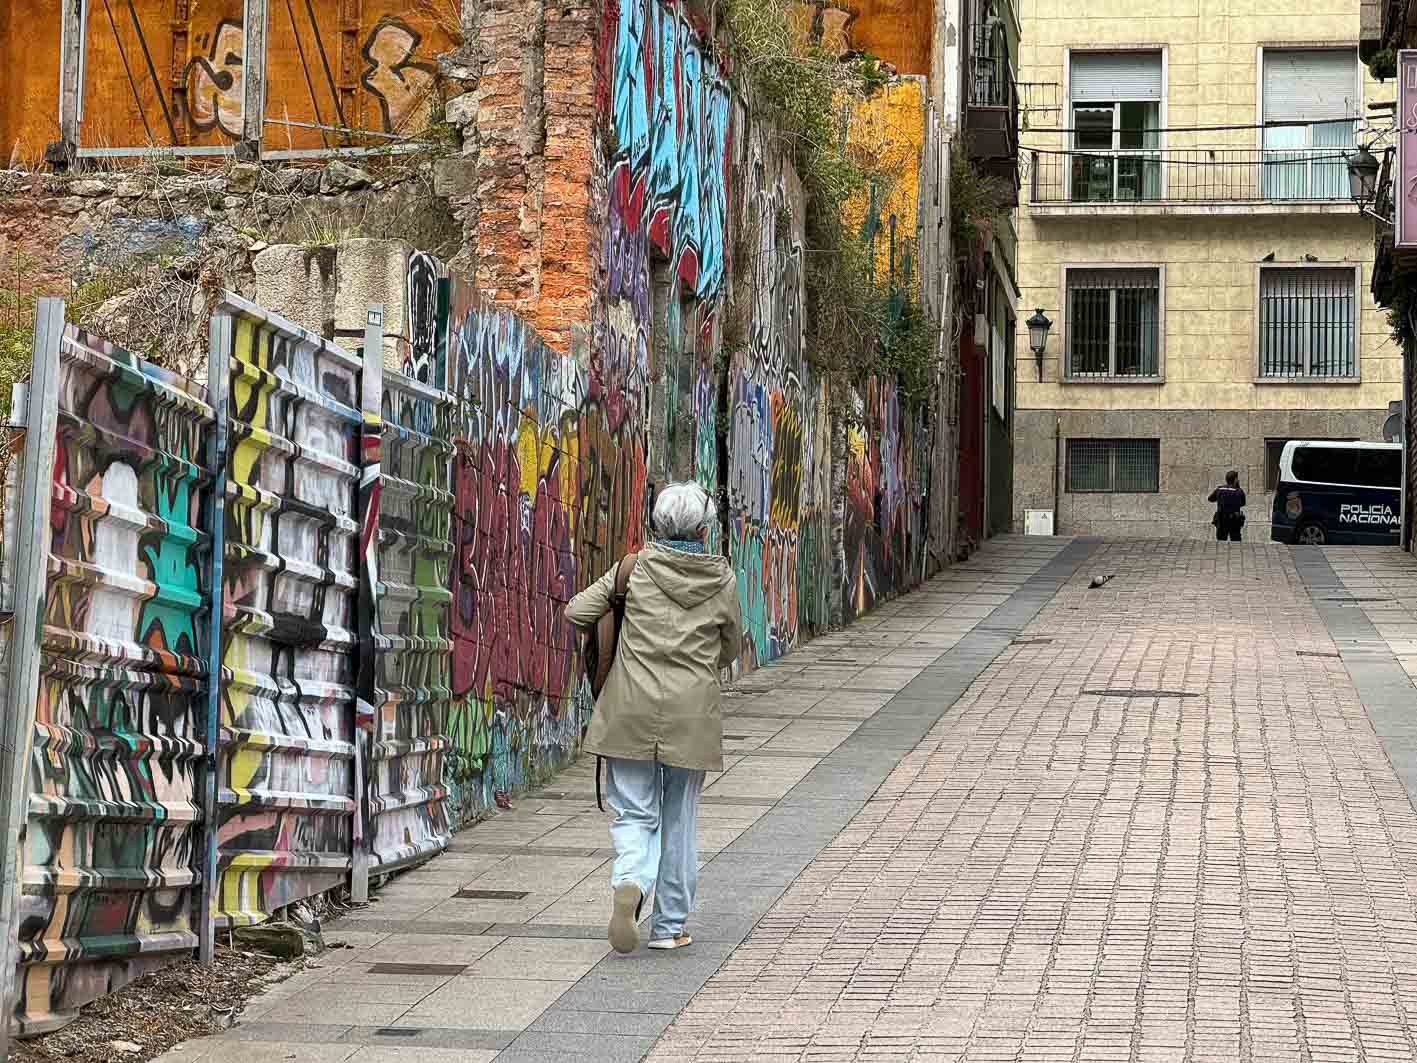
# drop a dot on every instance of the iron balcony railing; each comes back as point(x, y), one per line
point(1189, 175)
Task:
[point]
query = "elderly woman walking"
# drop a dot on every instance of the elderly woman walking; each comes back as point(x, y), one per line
point(657, 719)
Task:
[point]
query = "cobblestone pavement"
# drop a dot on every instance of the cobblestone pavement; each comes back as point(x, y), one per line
point(1160, 826)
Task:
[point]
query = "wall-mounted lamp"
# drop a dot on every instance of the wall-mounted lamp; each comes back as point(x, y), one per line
point(1038, 328)
point(1363, 167)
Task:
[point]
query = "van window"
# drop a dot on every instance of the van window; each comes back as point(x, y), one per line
point(1379, 468)
point(1326, 465)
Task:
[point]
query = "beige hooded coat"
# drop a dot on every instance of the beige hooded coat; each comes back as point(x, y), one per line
point(682, 626)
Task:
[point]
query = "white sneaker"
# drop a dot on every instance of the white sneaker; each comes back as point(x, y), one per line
point(678, 942)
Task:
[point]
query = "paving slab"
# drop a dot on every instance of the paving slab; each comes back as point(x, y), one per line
point(821, 729)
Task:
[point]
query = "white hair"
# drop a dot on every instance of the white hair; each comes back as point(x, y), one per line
point(683, 511)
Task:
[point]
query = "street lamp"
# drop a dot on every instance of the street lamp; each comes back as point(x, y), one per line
point(1363, 169)
point(1038, 327)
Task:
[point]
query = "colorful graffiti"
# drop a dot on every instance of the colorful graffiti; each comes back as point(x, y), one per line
point(883, 532)
point(407, 549)
point(158, 74)
point(775, 493)
point(548, 486)
point(285, 765)
point(110, 847)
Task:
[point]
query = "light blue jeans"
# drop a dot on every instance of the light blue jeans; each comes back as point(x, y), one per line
point(656, 810)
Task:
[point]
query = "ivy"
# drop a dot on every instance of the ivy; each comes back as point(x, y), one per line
point(859, 324)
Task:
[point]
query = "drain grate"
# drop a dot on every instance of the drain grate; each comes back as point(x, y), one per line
point(736, 738)
point(1313, 653)
point(1345, 598)
point(490, 895)
point(1029, 642)
point(398, 1031)
point(446, 970)
point(1125, 693)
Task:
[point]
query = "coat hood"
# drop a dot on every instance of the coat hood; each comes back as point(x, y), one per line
point(686, 579)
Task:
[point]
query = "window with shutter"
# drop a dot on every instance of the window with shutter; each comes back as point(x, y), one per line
point(1320, 92)
point(1116, 117)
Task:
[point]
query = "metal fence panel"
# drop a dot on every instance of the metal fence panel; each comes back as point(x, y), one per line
point(412, 649)
point(111, 842)
point(285, 768)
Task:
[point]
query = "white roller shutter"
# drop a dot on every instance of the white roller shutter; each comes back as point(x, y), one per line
point(1310, 85)
point(1109, 77)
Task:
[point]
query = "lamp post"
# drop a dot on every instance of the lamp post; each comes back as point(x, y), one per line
point(1363, 169)
point(1038, 328)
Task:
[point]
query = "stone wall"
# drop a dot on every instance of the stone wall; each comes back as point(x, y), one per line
point(138, 249)
point(1197, 448)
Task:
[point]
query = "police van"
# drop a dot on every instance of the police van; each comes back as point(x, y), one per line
point(1340, 493)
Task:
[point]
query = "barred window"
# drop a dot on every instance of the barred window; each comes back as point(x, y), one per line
point(1308, 323)
point(1114, 466)
point(1114, 323)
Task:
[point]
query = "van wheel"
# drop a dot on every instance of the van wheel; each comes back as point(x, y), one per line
point(1310, 534)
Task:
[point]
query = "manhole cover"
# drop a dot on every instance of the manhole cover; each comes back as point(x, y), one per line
point(447, 970)
point(490, 895)
point(397, 1031)
point(1122, 693)
point(1313, 653)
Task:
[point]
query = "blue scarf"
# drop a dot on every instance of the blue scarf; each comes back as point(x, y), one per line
point(684, 546)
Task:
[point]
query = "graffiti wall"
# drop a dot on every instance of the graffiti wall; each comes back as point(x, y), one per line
point(154, 73)
point(110, 846)
point(883, 532)
point(779, 443)
point(548, 489)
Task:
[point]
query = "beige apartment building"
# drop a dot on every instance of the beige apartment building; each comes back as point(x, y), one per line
point(1207, 286)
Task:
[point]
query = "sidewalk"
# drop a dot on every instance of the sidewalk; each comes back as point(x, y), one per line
point(496, 949)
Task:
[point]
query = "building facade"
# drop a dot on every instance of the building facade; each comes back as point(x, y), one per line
point(1388, 35)
point(1189, 231)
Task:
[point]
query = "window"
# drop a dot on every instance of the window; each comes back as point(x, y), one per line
point(1273, 451)
point(1114, 466)
point(1116, 121)
point(1114, 323)
point(1308, 323)
point(1318, 90)
point(1379, 467)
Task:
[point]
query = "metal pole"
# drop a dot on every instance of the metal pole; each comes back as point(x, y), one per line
point(218, 367)
point(31, 571)
point(366, 723)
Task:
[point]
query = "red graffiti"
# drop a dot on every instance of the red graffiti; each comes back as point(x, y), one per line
point(514, 568)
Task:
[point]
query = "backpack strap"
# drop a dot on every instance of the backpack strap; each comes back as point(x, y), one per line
point(622, 580)
point(618, 594)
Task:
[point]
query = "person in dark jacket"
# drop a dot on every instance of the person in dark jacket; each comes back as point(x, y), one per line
point(1229, 499)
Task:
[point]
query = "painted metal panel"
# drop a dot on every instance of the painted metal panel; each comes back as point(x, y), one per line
point(25, 574)
point(286, 797)
point(412, 650)
point(111, 839)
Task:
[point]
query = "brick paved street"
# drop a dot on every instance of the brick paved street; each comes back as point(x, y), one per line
point(1059, 872)
point(1005, 818)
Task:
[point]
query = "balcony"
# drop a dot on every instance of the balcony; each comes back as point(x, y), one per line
point(1190, 181)
point(991, 93)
